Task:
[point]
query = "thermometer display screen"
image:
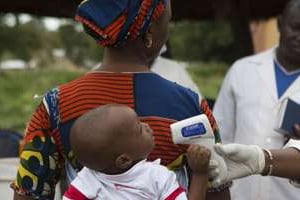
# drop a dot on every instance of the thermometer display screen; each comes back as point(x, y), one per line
point(193, 130)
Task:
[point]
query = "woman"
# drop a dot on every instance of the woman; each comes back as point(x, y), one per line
point(132, 33)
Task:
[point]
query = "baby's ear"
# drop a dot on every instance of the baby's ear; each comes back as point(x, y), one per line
point(123, 161)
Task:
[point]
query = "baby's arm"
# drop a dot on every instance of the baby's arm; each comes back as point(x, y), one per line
point(198, 159)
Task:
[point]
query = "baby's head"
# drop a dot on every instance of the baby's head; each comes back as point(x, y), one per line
point(111, 139)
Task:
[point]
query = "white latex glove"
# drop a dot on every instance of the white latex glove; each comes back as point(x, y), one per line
point(213, 170)
point(241, 160)
point(217, 170)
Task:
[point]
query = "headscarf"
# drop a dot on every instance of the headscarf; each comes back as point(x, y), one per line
point(112, 22)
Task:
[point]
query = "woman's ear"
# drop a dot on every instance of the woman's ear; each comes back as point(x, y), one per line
point(123, 161)
point(148, 38)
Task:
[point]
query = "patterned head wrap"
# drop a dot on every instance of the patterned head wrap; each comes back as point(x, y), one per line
point(112, 22)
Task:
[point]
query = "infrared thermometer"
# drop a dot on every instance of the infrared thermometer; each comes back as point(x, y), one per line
point(197, 130)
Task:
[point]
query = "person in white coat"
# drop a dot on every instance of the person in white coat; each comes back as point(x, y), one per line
point(245, 160)
point(250, 97)
point(173, 70)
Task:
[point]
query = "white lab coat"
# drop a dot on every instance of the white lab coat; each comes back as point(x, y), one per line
point(174, 71)
point(246, 110)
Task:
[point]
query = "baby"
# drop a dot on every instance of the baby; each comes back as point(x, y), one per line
point(112, 144)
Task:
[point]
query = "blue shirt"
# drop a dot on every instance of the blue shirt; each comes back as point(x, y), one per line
point(283, 78)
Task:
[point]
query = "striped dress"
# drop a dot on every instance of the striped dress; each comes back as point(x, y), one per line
point(47, 151)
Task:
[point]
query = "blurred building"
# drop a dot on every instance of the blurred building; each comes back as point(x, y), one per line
point(13, 64)
point(264, 34)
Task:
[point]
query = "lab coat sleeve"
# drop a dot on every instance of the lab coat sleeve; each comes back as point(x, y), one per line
point(225, 107)
point(292, 143)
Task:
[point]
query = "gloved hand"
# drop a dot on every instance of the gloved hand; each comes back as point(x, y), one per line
point(217, 170)
point(241, 160)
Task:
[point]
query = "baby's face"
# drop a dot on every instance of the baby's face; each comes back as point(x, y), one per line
point(142, 139)
point(137, 140)
point(146, 138)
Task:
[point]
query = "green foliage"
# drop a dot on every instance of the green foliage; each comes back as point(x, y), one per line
point(202, 41)
point(208, 77)
point(32, 41)
point(78, 45)
point(17, 89)
point(23, 41)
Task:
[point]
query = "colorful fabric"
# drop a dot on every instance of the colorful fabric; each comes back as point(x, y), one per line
point(40, 159)
point(145, 180)
point(207, 111)
point(47, 147)
point(111, 22)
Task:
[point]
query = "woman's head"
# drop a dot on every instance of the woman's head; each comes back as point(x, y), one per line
point(157, 33)
point(135, 25)
point(111, 139)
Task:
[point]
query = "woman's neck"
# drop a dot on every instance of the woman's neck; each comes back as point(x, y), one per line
point(123, 67)
point(124, 60)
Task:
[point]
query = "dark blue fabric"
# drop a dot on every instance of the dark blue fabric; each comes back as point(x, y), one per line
point(65, 129)
point(52, 100)
point(174, 101)
point(104, 12)
point(133, 7)
point(283, 79)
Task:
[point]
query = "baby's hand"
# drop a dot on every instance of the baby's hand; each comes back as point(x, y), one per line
point(198, 158)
